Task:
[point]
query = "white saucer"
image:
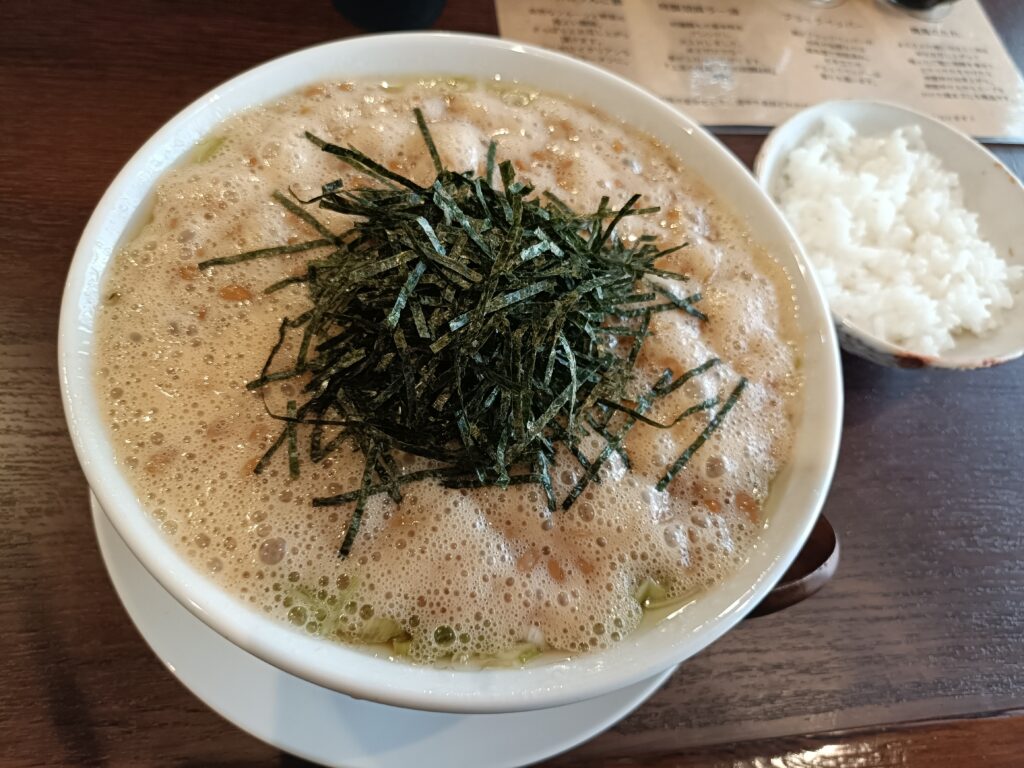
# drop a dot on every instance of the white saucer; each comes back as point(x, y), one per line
point(330, 728)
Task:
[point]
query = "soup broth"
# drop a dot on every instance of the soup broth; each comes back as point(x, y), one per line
point(445, 573)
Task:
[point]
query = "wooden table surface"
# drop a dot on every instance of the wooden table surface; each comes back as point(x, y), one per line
point(913, 655)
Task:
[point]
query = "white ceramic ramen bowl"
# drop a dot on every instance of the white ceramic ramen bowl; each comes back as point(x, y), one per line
point(990, 190)
point(794, 503)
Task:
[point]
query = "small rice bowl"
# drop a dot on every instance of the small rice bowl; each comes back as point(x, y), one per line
point(885, 226)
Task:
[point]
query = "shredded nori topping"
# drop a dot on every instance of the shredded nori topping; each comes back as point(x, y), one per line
point(475, 326)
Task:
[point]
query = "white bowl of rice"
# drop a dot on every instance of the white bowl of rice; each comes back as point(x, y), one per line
point(912, 227)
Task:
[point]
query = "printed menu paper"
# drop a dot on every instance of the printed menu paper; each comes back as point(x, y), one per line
point(750, 64)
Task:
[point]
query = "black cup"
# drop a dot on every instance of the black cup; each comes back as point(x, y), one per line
point(920, 5)
point(390, 15)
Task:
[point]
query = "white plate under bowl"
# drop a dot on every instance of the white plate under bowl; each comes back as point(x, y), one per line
point(990, 190)
point(331, 728)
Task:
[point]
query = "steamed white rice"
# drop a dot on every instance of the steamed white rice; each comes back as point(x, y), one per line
point(885, 225)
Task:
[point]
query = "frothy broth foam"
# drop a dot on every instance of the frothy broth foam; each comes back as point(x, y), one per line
point(455, 573)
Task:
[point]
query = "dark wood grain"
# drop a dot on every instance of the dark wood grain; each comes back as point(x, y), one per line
point(924, 622)
point(993, 742)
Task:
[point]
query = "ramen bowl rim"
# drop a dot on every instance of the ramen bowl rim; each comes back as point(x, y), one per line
point(351, 670)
